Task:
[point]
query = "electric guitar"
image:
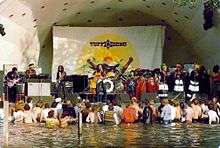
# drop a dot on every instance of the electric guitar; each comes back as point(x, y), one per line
point(11, 83)
point(61, 77)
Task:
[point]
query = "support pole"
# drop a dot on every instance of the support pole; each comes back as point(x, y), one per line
point(79, 124)
point(6, 110)
point(5, 125)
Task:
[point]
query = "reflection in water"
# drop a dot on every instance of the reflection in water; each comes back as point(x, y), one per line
point(195, 135)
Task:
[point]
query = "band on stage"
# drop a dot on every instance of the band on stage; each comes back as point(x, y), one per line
point(115, 78)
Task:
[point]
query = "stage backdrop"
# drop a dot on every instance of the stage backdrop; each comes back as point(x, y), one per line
point(72, 46)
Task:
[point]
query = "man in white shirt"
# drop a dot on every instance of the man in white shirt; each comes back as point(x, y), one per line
point(59, 108)
point(173, 112)
point(166, 114)
point(213, 117)
point(112, 115)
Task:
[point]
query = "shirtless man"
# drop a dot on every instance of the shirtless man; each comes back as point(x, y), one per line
point(197, 110)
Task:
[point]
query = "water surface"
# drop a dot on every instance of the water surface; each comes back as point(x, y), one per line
point(138, 135)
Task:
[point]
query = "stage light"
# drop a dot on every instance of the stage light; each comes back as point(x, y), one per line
point(2, 30)
point(208, 15)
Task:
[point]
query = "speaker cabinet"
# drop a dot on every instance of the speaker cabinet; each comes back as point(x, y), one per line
point(80, 82)
point(38, 89)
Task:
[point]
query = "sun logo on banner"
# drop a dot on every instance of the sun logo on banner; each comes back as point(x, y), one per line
point(107, 48)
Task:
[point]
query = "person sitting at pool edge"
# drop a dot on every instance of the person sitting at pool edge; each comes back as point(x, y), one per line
point(129, 114)
point(166, 114)
point(52, 122)
point(111, 115)
point(212, 115)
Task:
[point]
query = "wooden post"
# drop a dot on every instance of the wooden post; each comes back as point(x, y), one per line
point(6, 109)
point(79, 124)
point(5, 124)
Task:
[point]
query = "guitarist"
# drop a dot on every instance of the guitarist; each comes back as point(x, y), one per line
point(61, 76)
point(12, 78)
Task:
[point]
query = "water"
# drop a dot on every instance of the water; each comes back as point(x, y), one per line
point(138, 135)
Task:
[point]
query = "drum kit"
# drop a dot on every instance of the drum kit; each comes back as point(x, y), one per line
point(111, 85)
point(113, 82)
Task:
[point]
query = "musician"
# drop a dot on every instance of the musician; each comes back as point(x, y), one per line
point(131, 84)
point(101, 71)
point(12, 78)
point(178, 79)
point(193, 81)
point(31, 72)
point(61, 76)
point(100, 74)
point(152, 85)
point(163, 87)
point(141, 87)
point(204, 80)
point(106, 70)
point(164, 73)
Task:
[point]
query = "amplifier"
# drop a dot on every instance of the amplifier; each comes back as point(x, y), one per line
point(79, 82)
point(38, 89)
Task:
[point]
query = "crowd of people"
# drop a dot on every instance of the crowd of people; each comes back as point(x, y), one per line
point(194, 80)
point(167, 111)
point(108, 78)
point(58, 114)
point(195, 108)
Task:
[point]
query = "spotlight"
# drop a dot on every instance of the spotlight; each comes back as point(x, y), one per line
point(2, 30)
point(208, 14)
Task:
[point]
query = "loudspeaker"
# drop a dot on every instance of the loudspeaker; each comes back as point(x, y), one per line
point(38, 89)
point(208, 14)
point(80, 83)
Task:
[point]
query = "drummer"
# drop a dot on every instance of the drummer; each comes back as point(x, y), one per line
point(31, 72)
point(98, 75)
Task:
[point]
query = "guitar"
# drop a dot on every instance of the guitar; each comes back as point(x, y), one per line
point(11, 83)
point(62, 77)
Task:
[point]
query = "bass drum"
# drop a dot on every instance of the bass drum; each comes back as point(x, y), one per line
point(109, 85)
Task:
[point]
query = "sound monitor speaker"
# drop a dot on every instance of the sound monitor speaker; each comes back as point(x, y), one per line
point(38, 89)
point(80, 83)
